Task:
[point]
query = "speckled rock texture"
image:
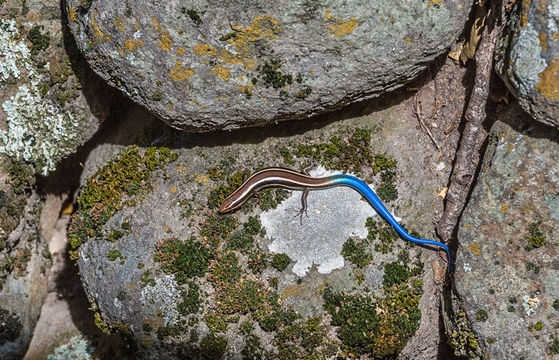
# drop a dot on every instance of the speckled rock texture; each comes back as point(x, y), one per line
point(528, 58)
point(23, 258)
point(46, 110)
point(203, 65)
point(160, 265)
point(507, 270)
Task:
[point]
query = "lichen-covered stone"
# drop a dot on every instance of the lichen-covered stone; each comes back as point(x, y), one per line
point(23, 258)
point(201, 65)
point(507, 268)
point(528, 58)
point(44, 114)
point(160, 265)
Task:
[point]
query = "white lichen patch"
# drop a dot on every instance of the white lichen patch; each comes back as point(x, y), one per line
point(38, 130)
point(78, 348)
point(334, 215)
point(12, 51)
point(162, 296)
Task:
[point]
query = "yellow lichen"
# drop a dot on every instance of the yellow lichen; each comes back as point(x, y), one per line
point(504, 208)
point(263, 28)
point(156, 25)
point(475, 248)
point(221, 72)
point(180, 51)
point(72, 13)
point(180, 73)
point(165, 42)
point(339, 27)
point(548, 85)
point(118, 22)
point(293, 290)
point(131, 44)
point(543, 40)
point(204, 49)
point(97, 33)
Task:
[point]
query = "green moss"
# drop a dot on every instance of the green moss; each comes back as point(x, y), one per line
point(554, 346)
point(462, 338)
point(304, 93)
point(356, 319)
point(271, 198)
point(39, 41)
point(166, 331)
point(103, 195)
point(395, 274)
point(538, 326)
point(357, 253)
point(219, 194)
point(213, 347)
point(194, 16)
point(115, 254)
point(532, 267)
point(257, 261)
point(22, 178)
point(253, 349)
point(146, 279)
point(272, 76)
point(228, 36)
point(115, 235)
point(363, 329)
point(184, 259)
point(535, 237)
point(216, 322)
point(280, 261)
point(121, 295)
point(349, 152)
point(382, 234)
point(100, 323)
point(191, 301)
point(556, 304)
point(481, 315)
point(511, 308)
point(11, 326)
point(387, 190)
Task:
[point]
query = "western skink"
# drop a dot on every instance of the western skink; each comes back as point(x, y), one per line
point(290, 179)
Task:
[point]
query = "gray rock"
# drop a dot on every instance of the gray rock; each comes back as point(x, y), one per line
point(222, 300)
point(528, 59)
point(46, 109)
point(205, 65)
point(23, 258)
point(507, 268)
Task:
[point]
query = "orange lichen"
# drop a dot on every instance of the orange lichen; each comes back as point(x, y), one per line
point(180, 73)
point(221, 72)
point(204, 49)
point(475, 248)
point(263, 28)
point(165, 42)
point(118, 22)
point(543, 40)
point(99, 35)
point(156, 25)
point(504, 208)
point(131, 44)
point(548, 85)
point(339, 27)
point(72, 13)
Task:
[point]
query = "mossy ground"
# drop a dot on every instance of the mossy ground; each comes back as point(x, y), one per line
point(106, 192)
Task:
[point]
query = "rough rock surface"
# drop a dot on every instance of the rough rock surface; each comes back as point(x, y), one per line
point(44, 110)
point(528, 58)
point(239, 298)
point(203, 65)
point(507, 270)
point(23, 258)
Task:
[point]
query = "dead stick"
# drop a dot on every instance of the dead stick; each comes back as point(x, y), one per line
point(473, 136)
